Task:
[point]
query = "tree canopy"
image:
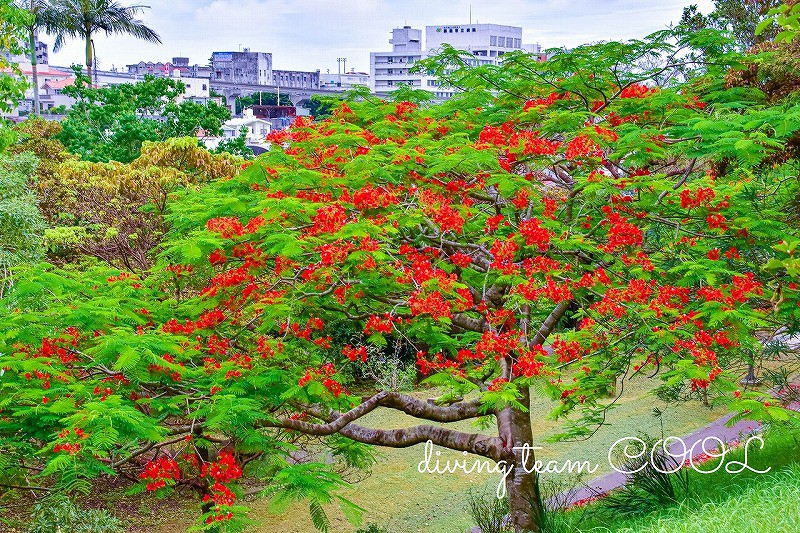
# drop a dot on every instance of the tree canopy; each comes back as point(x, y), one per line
point(553, 231)
point(111, 123)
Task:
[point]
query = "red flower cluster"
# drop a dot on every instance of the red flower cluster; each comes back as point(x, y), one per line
point(534, 233)
point(636, 90)
point(370, 197)
point(527, 364)
point(701, 197)
point(376, 324)
point(327, 370)
point(543, 102)
point(503, 253)
point(497, 384)
point(226, 226)
point(582, 147)
point(355, 354)
point(621, 233)
point(157, 471)
point(433, 304)
point(329, 219)
point(224, 470)
point(461, 260)
point(567, 351)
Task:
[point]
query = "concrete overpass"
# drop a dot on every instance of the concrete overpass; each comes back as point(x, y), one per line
point(232, 90)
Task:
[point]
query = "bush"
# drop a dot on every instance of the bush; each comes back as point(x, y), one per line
point(649, 484)
point(489, 512)
point(57, 514)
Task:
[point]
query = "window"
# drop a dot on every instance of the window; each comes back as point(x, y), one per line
point(501, 42)
point(205, 87)
point(391, 71)
point(493, 40)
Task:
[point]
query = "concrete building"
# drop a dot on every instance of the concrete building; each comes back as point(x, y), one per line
point(256, 133)
point(242, 67)
point(46, 74)
point(168, 68)
point(345, 80)
point(51, 94)
point(196, 89)
point(296, 78)
point(388, 70)
point(486, 42)
point(42, 56)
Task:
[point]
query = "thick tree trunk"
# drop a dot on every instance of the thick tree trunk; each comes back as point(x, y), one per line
point(522, 486)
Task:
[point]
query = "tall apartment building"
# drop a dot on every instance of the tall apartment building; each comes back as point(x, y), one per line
point(391, 69)
point(242, 67)
point(486, 42)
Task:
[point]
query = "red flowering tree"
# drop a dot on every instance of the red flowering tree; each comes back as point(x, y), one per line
point(570, 224)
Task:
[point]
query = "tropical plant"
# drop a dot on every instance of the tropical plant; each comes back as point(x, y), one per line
point(21, 224)
point(115, 211)
point(84, 18)
point(39, 11)
point(57, 514)
point(489, 512)
point(556, 228)
point(741, 18)
point(13, 22)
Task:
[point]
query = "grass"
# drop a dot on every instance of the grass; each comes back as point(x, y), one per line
point(719, 502)
point(402, 500)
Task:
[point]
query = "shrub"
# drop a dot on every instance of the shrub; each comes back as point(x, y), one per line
point(650, 483)
point(59, 514)
point(489, 512)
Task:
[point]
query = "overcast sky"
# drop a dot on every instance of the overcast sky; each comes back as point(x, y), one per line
point(311, 34)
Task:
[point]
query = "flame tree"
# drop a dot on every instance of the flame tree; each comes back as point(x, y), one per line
point(570, 224)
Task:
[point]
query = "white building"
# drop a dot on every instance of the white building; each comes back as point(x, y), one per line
point(388, 70)
point(486, 42)
point(345, 80)
point(196, 88)
point(256, 133)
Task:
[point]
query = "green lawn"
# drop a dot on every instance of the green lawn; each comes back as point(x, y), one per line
point(747, 502)
point(398, 497)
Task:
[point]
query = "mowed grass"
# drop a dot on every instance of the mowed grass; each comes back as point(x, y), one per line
point(401, 499)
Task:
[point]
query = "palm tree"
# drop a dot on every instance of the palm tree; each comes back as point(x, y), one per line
point(39, 10)
point(83, 18)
